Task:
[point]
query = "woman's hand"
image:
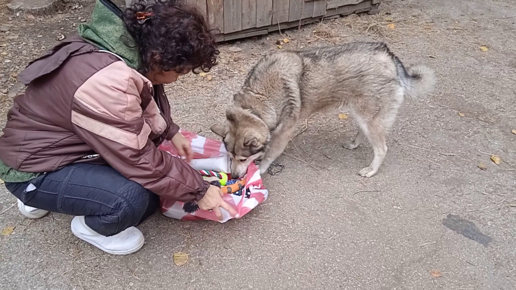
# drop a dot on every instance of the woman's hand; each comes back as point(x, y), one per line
point(183, 146)
point(212, 200)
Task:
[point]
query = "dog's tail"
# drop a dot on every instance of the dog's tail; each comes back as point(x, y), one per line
point(419, 81)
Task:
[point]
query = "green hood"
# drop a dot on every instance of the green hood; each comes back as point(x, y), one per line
point(107, 31)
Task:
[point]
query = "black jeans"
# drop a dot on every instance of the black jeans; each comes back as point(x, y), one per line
point(110, 202)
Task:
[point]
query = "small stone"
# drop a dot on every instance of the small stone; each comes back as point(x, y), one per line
point(5, 28)
point(39, 36)
point(5, 91)
point(7, 60)
point(60, 37)
point(235, 49)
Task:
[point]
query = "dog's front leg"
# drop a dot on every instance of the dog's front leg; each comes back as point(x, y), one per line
point(278, 143)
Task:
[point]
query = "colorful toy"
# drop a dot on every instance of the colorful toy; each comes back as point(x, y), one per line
point(234, 186)
point(223, 177)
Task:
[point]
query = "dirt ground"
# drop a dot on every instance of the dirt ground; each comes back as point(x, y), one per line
point(430, 219)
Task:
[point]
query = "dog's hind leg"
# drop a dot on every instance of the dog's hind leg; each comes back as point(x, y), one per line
point(376, 129)
point(376, 136)
point(359, 138)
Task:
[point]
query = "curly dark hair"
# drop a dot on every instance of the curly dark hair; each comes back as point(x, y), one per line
point(173, 36)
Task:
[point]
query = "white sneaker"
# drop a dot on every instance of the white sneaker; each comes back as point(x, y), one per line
point(124, 243)
point(31, 212)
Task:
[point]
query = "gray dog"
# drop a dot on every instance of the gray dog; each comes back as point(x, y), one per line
point(286, 87)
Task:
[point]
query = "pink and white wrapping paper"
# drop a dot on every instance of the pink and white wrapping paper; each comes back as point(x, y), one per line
point(213, 155)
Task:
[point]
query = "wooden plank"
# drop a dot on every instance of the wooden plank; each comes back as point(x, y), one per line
point(350, 9)
point(280, 10)
point(201, 5)
point(332, 4)
point(308, 9)
point(264, 13)
point(295, 9)
point(319, 8)
point(215, 12)
point(246, 34)
point(249, 14)
point(232, 15)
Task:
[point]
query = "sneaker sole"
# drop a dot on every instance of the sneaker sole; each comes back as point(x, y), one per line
point(118, 253)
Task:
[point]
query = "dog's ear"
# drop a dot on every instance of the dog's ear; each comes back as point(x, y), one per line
point(231, 115)
point(219, 130)
point(251, 140)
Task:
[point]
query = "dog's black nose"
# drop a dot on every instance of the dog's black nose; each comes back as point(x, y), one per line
point(235, 176)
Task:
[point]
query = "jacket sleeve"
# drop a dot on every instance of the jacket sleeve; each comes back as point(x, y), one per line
point(172, 131)
point(107, 115)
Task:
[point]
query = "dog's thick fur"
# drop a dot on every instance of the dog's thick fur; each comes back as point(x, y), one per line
point(286, 87)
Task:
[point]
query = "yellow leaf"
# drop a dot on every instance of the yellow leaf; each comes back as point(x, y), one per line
point(343, 116)
point(209, 77)
point(202, 74)
point(180, 258)
point(484, 48)
point(436, 273)
point(513, 131)
point(496, 159)
point(7, 231)
point(482, 166)
point(1, 181)
point(461, 114)
point(286, 40)
point(280, 47)
point(391, 25)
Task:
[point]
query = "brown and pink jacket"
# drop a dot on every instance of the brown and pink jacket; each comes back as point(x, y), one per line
point(83, 104)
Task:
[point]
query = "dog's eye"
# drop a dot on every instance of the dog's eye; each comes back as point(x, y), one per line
point(242, 159)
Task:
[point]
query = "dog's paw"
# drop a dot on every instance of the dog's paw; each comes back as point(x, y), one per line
point(367, 172)
point(350, 145)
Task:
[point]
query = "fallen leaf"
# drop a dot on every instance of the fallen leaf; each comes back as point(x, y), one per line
point(180, 258)
point(1, 181)
point(209, 77)
point(496, 159)
point(343, 116)
point(391, 25)
point(436, 273)
point(513, 131)
point(482, 166)
point(7, 231)
point(202, 74)
point(280, 47)
point(461, 114)
point(484, 48)
point(286, 40)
